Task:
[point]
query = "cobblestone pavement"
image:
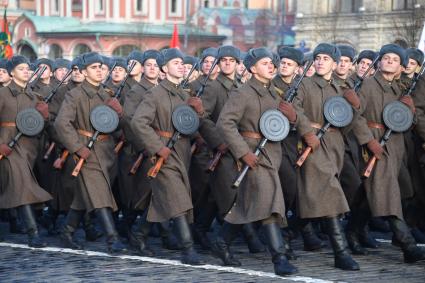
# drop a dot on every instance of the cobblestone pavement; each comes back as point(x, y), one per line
point(19, 263)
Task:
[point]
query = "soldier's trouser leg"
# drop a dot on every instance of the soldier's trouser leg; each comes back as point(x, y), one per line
point(251, 237)
point(28, 217)
point(114, 243)
point(343, 259)
point(221, 245)
point(184, 236)
point(276, 246)
point(412, 253)
point(73, 219)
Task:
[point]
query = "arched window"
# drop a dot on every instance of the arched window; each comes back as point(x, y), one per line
point(124, 50)
point(27, 51)
point(55, 51)
point(80, 49)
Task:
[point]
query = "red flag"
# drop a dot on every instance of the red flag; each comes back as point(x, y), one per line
point(175, 43)
point(5, 39)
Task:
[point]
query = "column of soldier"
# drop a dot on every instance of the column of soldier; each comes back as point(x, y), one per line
point(177, 131)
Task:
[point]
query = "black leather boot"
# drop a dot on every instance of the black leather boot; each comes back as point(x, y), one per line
point(343, 259)
point(354, 225)
point(184, 235)
point(252, 239)
point(276, 247)
point(202, 225)
point(220, 246)
point(137, 237)
point(115, 245)
point(92, 234)
point(311, 241)
point(379, 224)
point(412, 253)
point(27, 215)
point(169, 241)
point(15, 226)
point(73, 219)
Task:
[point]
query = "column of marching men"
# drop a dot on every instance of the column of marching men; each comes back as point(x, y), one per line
point(146, 177)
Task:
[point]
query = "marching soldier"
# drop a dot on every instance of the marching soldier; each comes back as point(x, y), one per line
point(381, 190)
point(19, 188)
point(152, 127)
point(95, 180)
point(5, 79)
point(320, 194)
point(260, 196)
point(60, 68)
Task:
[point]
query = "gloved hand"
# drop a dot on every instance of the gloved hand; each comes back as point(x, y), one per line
point(375, 147)
point(312, 140)
point(250, 159)
point(351, 96)
point(43, 108)
point(164, 152)
point(196, 103)
point(288, 110)
point(5, 150)
point(408, 101)
point(84, 153)
point(115, 104)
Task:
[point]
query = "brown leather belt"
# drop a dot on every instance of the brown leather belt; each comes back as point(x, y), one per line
point(164, 134)
point(7, 124)
point(252, 135)
point(89, 135)
point(374, 125)
point(318, 127)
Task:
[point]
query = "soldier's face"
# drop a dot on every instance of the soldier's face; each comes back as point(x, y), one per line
point(287, 67)
point(362, 66)
point(174, 68)
point(93, 73)
point(187, 68)
point(344, 66)
point(263, 70)
point(60, 73)
point(228, 65)
point(21, 73)
point(4, 76)
point(105, 71)
point(137, 70)
point(390, 63)
point(76, 75)
point(47, 73)
point(411, 67)
point(151, 69)
point(324, 65)
point(207, 64)
point(118, 74)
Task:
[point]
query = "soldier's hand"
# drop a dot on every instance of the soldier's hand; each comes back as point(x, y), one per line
point(352, 98)
point(222, 148)
point(84, 153)
point(196, 103)
point(115, 104)
point(288, 110)
point(164, 153)
point(312, 140)
point(43, 108)
point(5, 150)
point(376, 148)
point(250, 159)
point(409, 102)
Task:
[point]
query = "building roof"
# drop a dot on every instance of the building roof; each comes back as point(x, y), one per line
point(53, 25)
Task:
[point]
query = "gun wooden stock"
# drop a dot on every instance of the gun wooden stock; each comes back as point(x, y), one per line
point(77, 168)
point(193, 149)
point(119, 146)
point(303, 156)
point(58, 164)
point(1, 156)
point(49, 151)
point(153, 171)
point(369, 167)
point(136, 164)
point(214, 162)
